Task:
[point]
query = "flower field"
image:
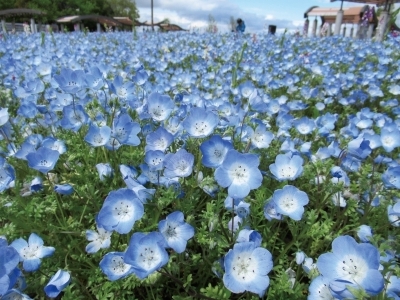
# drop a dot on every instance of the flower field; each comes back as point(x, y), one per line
point(199, 166)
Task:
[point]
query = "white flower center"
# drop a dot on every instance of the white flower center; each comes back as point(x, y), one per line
point(123, 210)
point(119, 266)
point(30, 252)
point(239, 174)
point(352, 268)
point(243, 268)
point(149, 258)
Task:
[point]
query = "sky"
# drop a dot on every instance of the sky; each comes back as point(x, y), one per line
point(257, 14)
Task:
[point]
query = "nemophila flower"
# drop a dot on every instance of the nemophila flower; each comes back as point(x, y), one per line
point(15, 294)
point(54, 144)
point(391, 177)
point(7, 175)
point(43, 160)
point(36, 184)
point(31, 252)
point(70, 81)
point(179, 164)
point(159, 106)
point(393, 287)
point(287, 166)
point(57, 283)
point(261, 138)
point(120, 210)
point(359, 148)
point(339, 176)
point(74, 116)
point(114, 267)
point(300, 256)
point(364, 233)
point(242, 209)
point(154, 159)
point(350, 163)
point(248, 235)
point(143, 193)
point(124, 91)
point(290, 202)
point(175, 231)
point(94, 79)
point(390, 138)
point(351, 265)
point(214, 151)
point(98, 136)
point(200, 122)
point(9, 259)
point(270, 211)
point(159, 140)
point(319, 289)
point(247, 268)
point(393, 212)
point(100, 239)
point(309, 266)
point(129, 175)
point(104, 170)
point(239, 173)
point(304, 125)
point(146, 253)
point(125, 130)
point(4, 116)
point(63, 189)
point(236, 223)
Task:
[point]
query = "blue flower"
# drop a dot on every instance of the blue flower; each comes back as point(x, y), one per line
point(9, 259)
point(159, 106)
point(391, 177)
point(7, 175)
point(214, 151)
point(175, 231)
point(114, 267)
point(304, 125)
point(390, 138)
point(104, 170)
point(125, 131)
point(351, 264)
point(98, 136)
point(239, 172)
point(300, 256)
point(261, 138)
point(270, 211)
point(63, 189)
point(319, 289)
point(287, 167)
point(57, 283)
point(99, 239)
point(179, 164)
point(43, 160)
point(120, 211)
point(146, 253)
point(289, 201)
point(70, 81)
point(247, 268)
point(159, 140)
point(154, 159)
point(74, 116)
point(32, 251)
point(364, 232)
point(200, 123)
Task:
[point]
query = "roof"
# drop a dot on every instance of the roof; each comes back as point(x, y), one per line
point(100, 19)
point(350, 14)
point(20, 12)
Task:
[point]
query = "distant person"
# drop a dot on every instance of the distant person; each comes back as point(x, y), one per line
point(240, 26)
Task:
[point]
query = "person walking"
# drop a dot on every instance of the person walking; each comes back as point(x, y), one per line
point(240, 26)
